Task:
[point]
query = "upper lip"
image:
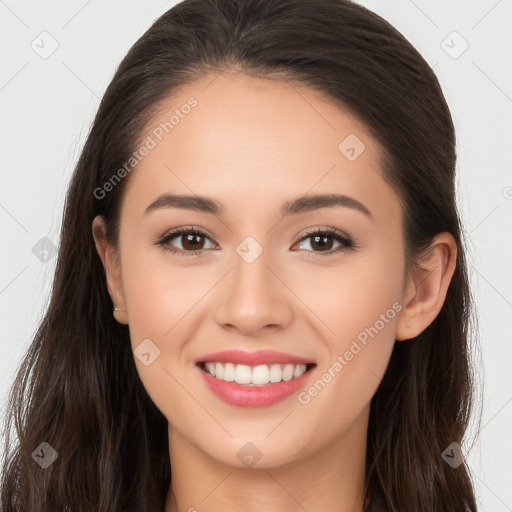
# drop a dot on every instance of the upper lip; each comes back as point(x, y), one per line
point(253, 358)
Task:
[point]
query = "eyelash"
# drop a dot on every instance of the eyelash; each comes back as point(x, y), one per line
point(347, 243)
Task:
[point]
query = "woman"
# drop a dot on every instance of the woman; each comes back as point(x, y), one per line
point(261, 299)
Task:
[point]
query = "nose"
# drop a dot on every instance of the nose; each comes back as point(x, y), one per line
point(254, 298)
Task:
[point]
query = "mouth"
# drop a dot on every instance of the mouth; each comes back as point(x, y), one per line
point(254, 379)
point(261, 375)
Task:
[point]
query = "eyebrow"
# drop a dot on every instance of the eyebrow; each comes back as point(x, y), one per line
point(301, 205)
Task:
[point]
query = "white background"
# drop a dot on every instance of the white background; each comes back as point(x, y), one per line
point(47, 107)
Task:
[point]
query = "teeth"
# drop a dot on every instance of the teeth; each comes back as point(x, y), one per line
point(260, 375)
point(275, 373)
point(229, 372)
point(254, 375)
point(210, 368)
point(242, 374)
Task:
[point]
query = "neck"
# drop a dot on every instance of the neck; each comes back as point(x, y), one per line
point(330, 479)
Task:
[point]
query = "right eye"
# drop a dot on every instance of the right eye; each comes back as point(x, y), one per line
point(192, 241)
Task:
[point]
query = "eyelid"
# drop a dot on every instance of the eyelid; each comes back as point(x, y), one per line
point(330, 230)
point(180, 229)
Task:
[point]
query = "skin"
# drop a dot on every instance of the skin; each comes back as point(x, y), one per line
point(253, 145)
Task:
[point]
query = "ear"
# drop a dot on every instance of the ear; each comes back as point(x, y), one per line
point(425, 290)
point(111, 264)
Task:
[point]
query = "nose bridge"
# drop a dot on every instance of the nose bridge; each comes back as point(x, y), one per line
point(253, 296)
point(252, 284)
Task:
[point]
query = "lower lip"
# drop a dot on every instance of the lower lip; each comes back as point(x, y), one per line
point(253, 396)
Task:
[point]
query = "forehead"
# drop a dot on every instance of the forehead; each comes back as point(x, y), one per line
point(251, 142)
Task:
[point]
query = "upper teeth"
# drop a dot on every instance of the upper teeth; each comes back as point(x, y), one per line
point(254, 375)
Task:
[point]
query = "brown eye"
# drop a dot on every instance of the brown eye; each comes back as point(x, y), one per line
point(322, 242)
point(191, 241)
point(186, 242)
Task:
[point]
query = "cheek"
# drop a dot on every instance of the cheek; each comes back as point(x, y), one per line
point(155, 301)
point(355, 295)
point(161, 300)
point(361, 351)
point(360, 306)
point(161, 309)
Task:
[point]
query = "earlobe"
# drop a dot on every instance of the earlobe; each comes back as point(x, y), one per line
point(426, 289)
point(110, 261)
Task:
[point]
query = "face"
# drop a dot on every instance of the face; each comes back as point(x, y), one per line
point(265, 267)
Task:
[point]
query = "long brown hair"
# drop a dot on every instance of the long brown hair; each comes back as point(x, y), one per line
point(78, 390)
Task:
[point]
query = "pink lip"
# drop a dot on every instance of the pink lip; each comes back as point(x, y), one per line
point(253, 396)
point(252, 358)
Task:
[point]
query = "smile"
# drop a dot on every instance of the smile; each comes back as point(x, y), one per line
point(260, 375)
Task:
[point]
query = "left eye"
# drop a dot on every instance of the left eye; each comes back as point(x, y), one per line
point(324, 240)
